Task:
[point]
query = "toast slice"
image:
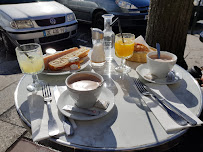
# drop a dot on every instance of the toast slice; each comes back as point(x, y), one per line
point(63, 61)
point(49, 58)
point(141, 48)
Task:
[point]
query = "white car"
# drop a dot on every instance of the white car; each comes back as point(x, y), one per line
point(39, 21)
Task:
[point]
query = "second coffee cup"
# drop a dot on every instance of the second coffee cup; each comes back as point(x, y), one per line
point(85, 88)
point(161, 67)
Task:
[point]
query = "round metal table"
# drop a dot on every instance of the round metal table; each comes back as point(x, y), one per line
point(130, 125)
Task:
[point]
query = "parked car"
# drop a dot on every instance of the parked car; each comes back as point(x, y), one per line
point(198, 10)
point(131, 12)
point(40, 21)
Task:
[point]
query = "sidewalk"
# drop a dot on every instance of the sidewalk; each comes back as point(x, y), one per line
point(194, 47)
point(13, 135)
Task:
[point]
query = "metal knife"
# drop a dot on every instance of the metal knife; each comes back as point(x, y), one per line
point(66, 123)
point(172, 107)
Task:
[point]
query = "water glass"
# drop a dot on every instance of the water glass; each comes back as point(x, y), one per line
point(30, 59)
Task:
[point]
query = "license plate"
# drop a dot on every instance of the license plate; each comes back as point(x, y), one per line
point(55, 31)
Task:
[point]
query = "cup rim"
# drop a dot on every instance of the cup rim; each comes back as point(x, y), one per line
point(119, 34)
point(38, 46)
point(165, 52)
point(108, 15)
point(85, 72)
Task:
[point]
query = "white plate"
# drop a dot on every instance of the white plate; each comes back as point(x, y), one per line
point(68, 70)
point(144, 72)
point(65, 99)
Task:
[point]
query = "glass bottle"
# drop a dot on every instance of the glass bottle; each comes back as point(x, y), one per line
point(98, 54)
point(109, 37)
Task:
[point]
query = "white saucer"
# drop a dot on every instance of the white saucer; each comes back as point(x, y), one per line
point(144, 72)
point(65, 99)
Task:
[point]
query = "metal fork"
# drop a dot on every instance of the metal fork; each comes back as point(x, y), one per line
point(178, 119)
point(52, 126)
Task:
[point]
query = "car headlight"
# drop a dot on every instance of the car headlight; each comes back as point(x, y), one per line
point(70, 17)
point(125, 5)
point(21, 24)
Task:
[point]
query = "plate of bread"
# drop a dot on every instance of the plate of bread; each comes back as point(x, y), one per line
point(141, 49)
point(67, 61)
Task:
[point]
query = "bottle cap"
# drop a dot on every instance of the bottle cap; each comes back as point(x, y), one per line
point(97, 34)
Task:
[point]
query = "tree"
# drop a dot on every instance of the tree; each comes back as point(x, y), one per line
point(168, 25)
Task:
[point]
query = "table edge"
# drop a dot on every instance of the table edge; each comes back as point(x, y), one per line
point(142, 147)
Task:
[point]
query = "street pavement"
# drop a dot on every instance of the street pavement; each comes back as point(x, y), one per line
point(15, 137)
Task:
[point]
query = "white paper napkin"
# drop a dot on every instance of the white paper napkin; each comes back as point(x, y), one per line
point(39, 116)
point(165, 120)
point(141, 40)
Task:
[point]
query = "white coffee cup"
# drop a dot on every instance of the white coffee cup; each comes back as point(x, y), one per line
point(161, 67)
point(84, 87)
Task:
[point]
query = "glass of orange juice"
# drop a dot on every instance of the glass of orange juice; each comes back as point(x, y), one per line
point(31, 62)
point(124, 48)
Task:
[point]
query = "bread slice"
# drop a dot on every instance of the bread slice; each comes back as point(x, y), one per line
point(49, 58)
point(63, 61)
point(140, 53)
point(141, 48)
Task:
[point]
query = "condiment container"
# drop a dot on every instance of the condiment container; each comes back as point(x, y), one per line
point(50, 51)
point(98, 54)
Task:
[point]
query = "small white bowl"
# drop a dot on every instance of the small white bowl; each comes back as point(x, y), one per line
point(50, 51)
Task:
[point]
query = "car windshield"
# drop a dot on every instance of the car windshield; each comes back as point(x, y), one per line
point(20, 1)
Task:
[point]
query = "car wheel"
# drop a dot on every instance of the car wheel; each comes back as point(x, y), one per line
point(201, 36)
point(98, 20)
point(10, 48)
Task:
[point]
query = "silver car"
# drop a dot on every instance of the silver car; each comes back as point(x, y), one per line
point(131, 12)
point(40, 21)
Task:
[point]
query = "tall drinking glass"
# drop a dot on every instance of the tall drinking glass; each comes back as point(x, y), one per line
point(124, 47)
point(31, 62)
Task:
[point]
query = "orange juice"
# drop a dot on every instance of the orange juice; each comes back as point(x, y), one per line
point(124, 50)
